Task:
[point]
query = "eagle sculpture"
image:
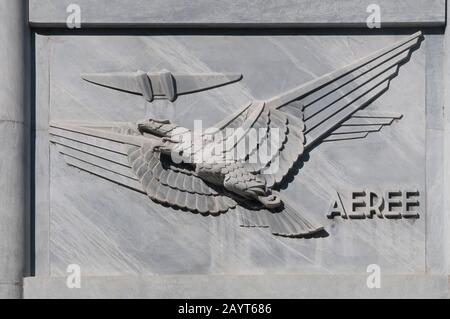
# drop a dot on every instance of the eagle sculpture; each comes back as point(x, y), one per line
point(208, 173)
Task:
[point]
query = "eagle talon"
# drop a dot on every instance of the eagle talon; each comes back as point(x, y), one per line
point(270, 201)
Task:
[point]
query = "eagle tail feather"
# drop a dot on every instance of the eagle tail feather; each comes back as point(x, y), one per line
point(287, 222)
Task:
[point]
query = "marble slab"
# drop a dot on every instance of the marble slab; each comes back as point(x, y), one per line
point(109, 230)
point(267, 286)
point(237, 13)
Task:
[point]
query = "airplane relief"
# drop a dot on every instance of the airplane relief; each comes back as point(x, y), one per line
point(394, 204)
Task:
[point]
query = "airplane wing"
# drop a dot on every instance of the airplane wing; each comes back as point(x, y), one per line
point(161, 85)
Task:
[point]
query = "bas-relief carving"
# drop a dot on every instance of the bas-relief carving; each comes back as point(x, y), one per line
point(140, 155)
point(161, 85)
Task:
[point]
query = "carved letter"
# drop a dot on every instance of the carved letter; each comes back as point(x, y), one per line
point(356, 203)
point(410, 200)
point(337, 208)
point(375, 205)
point(392, 201)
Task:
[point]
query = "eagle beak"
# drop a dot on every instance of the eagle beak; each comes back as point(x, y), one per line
point(165, 146)
point(142, 126)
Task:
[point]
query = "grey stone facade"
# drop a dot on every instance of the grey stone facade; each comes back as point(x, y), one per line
point(54, 215)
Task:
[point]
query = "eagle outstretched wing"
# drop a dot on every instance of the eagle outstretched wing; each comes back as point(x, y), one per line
point(326, 109)
point(170, 183)
point(261, 136)
point(116, 152)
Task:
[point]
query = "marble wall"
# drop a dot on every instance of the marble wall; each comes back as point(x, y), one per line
point(15, 134)
point(128, 246)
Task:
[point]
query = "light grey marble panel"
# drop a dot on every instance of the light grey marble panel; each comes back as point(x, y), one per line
point(42, 204)
point(257, 13)
point(41, 158)
point(436, 242)
point(11, 290)
point(434, 82)
point(446, 79)
point(14, 63)
point(244, 286)
point(109, 230)
point(14, 198)
point(14, 142)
